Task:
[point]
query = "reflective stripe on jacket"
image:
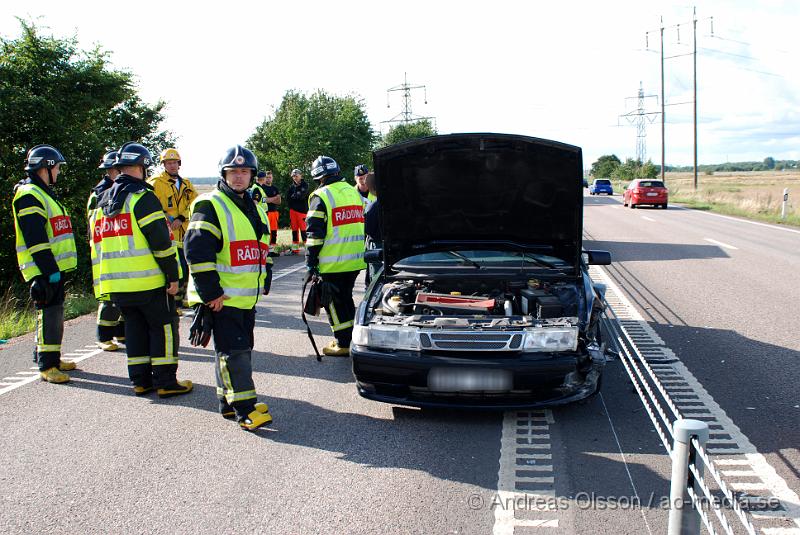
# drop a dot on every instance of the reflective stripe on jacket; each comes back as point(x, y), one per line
point(61, 240)
point(343, 245)
point(242, 258)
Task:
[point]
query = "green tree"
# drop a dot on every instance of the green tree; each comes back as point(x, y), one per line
point(605, 166)
point(405, 131)
point(306, 126)
point(769, 162)
point(52, 92)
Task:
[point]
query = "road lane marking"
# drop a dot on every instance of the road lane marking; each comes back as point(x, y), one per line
point(745, 454)
point(648, 218)
point(775, 227)
point(725, 245)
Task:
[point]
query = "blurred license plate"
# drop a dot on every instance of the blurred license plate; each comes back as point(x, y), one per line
point(652, 194)
point(454, 380)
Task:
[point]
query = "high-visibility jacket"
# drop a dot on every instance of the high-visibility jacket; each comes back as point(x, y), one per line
point(241, 262)
point(175, 201)
point(343, 244)
point(61, 240)
point(126, 262)
point(366, 201)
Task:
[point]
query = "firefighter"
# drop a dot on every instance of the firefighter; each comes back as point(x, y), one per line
point(45, 252)
point(298, 206)
point(360, 174)
point(176, 195)
point(110, 325)
point(335, 247)
point(227, 247)
point(270, 198)
point(139, 271)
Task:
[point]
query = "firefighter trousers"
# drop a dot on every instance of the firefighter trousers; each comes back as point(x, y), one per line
point(233, 344)
point(109, 322)
point(151, 339)
point(50, 330)
point(341, 309)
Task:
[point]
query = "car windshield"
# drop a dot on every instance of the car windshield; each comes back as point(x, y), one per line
point(602, 182)
point(651, 184)
point(482, 259)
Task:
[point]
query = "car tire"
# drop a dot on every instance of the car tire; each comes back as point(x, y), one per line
point(633, 206)
point(664, 206)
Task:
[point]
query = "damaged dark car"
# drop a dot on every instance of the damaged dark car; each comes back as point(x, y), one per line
point(484, 298)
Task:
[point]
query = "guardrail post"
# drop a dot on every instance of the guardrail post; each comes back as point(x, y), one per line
point(783, 204)
point(683, 519)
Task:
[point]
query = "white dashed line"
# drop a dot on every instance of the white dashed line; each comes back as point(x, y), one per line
point(725, 245)
point(648, 218)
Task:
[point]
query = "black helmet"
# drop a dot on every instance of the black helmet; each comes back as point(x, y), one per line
point(361, 170)
point(324, 166)
point(238, 156)
point(43, 157)
point(108, 160)
point(132, 153)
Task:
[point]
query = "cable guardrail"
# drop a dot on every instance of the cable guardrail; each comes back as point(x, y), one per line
point(683, 439)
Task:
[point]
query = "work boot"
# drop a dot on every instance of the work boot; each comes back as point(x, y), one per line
point(180, 387)
point(333, 349)
point(119, 340)
point(226, 410)
point(54, 375)
point(108, 345)
point(66, 366)
point(260, 416)
point(142, 390)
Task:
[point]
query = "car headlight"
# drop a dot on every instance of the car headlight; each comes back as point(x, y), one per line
point(551, 339)
point(386, 337)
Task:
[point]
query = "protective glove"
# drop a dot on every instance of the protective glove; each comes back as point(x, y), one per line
point(42, 292)
point(268, 282)
point(202, 326)
point(54, 278)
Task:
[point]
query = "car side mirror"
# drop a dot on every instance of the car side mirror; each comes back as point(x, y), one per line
point(373, 256)
point(598, 258)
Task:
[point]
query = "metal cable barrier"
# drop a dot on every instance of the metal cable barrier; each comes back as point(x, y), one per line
point(691, 497)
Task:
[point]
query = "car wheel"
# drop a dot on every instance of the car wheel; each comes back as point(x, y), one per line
point(633, 205)
point(664, 206)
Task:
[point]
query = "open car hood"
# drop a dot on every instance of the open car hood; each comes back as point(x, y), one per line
point(499, 191)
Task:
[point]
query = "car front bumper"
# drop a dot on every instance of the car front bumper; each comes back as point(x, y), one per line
point(538, 379)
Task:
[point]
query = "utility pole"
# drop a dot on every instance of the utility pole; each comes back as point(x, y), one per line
point(406, 116)
point(663, 111)
point(640, 118)
point(694, 54)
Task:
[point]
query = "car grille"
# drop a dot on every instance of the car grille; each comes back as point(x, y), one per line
point(471, 341)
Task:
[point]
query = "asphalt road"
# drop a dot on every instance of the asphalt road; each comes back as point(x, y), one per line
point(723, 293)
point(90, 457)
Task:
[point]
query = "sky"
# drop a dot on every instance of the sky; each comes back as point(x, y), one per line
point(565, 70)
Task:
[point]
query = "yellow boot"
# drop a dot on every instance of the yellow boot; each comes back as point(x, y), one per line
point(334, 350)
point(66, 366)
point(54, 375)
point(260, 416)
point(180, 387)
point(108, 346)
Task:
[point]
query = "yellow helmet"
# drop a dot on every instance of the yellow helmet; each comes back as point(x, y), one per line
point(170, 154)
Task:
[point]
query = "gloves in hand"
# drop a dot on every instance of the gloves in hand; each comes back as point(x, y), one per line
point(42, 292)
point(202, 326)
point(267, 282)
point(54, 278)
point(311, 272)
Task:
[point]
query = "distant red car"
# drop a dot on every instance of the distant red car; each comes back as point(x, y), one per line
point(645, 191)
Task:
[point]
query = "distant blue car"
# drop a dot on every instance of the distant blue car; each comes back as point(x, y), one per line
point(601, 185)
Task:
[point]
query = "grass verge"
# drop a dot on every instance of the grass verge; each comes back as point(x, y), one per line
point(17, 315)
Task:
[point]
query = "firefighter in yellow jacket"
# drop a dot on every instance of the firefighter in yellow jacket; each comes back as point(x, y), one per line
point(45, 251)
point(139, 271)
point(335, 247)
point(227, 247)
point(176, 195)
